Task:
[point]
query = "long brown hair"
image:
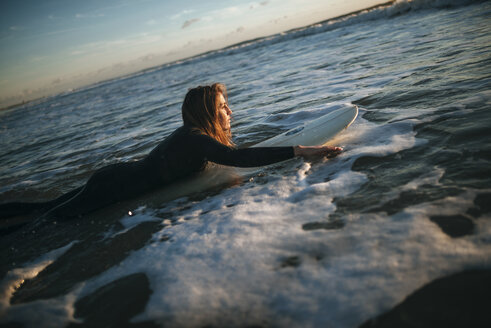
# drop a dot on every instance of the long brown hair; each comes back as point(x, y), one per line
point(199, 110)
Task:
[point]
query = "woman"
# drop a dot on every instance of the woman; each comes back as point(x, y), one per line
point(205, 136)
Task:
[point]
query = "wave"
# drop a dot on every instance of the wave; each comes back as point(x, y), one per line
point(382, 11)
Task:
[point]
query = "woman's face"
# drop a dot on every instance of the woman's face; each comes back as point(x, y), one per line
point(224, 112)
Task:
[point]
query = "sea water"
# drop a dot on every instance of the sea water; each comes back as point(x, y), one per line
point(303, 243)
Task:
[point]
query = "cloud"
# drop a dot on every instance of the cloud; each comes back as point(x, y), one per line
point(182, 13)
point(58, 80)
point(27, 92)
point(54, 17)
point(36, 59)
point(147, 58)
point(88, 15)
point(107, 46)
point(238, 30)
point(276, 21)
point(189, 22)
point(257, 5)
point(229, 11)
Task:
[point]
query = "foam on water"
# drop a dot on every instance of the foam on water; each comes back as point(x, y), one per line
point(43, 313)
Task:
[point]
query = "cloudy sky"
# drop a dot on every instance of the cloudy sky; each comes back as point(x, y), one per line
point(49, 46)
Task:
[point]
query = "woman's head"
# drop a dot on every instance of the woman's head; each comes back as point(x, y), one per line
point(206, 108)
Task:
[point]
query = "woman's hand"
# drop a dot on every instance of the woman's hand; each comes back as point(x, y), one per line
point(316, 151)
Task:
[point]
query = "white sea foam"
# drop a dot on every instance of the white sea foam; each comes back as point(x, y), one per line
point(131, 220)
point(228, 268)
point(136, 217)
point(42, 313)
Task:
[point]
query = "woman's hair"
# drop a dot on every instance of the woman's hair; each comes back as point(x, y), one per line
point(199, 110)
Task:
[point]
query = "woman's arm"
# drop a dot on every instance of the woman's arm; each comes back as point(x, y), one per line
point(316, 151)
point(216, 152)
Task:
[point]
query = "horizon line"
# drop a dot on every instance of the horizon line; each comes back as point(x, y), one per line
point(193, 57)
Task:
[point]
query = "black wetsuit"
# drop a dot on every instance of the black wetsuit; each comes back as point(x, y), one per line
point(181, 154)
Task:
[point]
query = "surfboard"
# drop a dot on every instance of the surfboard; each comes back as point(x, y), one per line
point(315, 132)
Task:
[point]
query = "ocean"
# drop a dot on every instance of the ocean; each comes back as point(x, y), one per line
point(303, 243)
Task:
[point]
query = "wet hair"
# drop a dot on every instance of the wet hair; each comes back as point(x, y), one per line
point(199, 111)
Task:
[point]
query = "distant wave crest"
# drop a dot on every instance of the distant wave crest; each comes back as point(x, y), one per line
point(382, 11)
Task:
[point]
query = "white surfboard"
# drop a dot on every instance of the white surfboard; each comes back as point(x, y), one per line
point(316, 132)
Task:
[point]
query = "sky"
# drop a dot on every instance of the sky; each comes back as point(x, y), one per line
point(51, 46)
